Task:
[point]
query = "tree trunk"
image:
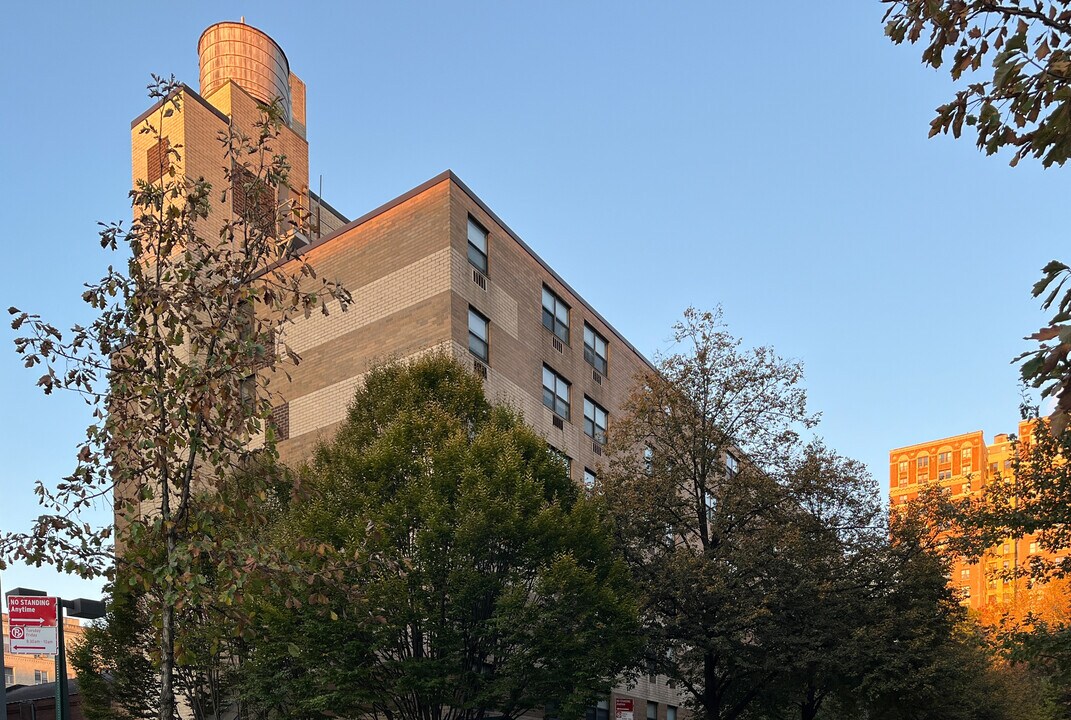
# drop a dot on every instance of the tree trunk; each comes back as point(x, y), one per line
point(809, 707)
point(167, 652)
point(711, 697)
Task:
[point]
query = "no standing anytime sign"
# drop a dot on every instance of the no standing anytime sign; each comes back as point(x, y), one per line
point(32, 625)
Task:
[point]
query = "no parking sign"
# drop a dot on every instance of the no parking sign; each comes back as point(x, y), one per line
point(32, 627)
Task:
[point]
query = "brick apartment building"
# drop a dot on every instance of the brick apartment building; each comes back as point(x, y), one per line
point(963, 465)
point(434, 270)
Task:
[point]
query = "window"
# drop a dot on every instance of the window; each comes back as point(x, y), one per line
point(563, 458)
point(9, 676)
point(652, 711)
point(594, 349)
point(556, 392)
point(710, 502)
point(648, 459)
point(671, 712)
point(39, 676)
point(903, 466)
point(966, 457)
point(478, 336)
point(1033, 548)
point(589, 479)
point(902, 481)
point(1007, 464)
point(966, 590)
point(594, 421)
point(923, 462)
point(601, 711)
point(555, 315)
point(477, 246)
point(247, 390)
point(732, 466)
point(944, 474)
point(944, 458)
point(964, 574)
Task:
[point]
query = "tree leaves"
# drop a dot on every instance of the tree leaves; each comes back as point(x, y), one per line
point(176, 333)
point(493, 585)
point(1023, 105)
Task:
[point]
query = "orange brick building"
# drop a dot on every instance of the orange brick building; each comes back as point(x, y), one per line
point(434, 270)
point(963, 465)
point(37, 669)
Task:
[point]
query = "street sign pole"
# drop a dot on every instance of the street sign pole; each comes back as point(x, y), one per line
point(63, 705)
point(3, 668)
point(40, 631)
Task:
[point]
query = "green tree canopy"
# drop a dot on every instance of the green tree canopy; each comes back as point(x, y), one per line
point(701, 514)
point(495, 588)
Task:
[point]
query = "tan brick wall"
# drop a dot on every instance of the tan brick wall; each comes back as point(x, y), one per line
point(403, 288)
point(397, 267)
point(520, 345)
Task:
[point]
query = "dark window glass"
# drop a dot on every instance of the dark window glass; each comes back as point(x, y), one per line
point(478, 335)
point(477, 246)
point(565, 459)
point(594, 421)
point(555, 315)
point(732, 465)
point(595, 349)
point(555, 392)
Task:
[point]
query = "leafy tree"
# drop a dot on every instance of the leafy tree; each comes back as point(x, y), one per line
point(510, 596)
point(1046, 651)
point(167, 367)
point(113, 661)
point(921, 658)
point(118, 664)
point(1032, 500)
point(920, 654)
point(836, 545)
point(1012, 60)
point(700, 513)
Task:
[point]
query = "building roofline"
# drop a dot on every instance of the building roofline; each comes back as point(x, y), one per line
point(183, 87)
point(320, 201)
point(941, 440)
point(448, 175)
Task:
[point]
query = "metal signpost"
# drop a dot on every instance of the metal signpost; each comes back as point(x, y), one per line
point(35, 627)
point(3, 683)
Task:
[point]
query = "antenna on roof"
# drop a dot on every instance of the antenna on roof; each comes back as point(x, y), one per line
point(243, 19)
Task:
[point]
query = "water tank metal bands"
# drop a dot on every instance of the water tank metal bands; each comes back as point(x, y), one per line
point(249, 57)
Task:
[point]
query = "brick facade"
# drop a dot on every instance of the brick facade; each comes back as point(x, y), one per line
point(406, 264)
point(962, 466)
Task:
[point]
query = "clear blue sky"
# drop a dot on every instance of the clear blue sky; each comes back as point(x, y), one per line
point(770, 157)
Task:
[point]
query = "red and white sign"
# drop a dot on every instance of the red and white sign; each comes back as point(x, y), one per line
point(32, 627)
point(623, 709)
